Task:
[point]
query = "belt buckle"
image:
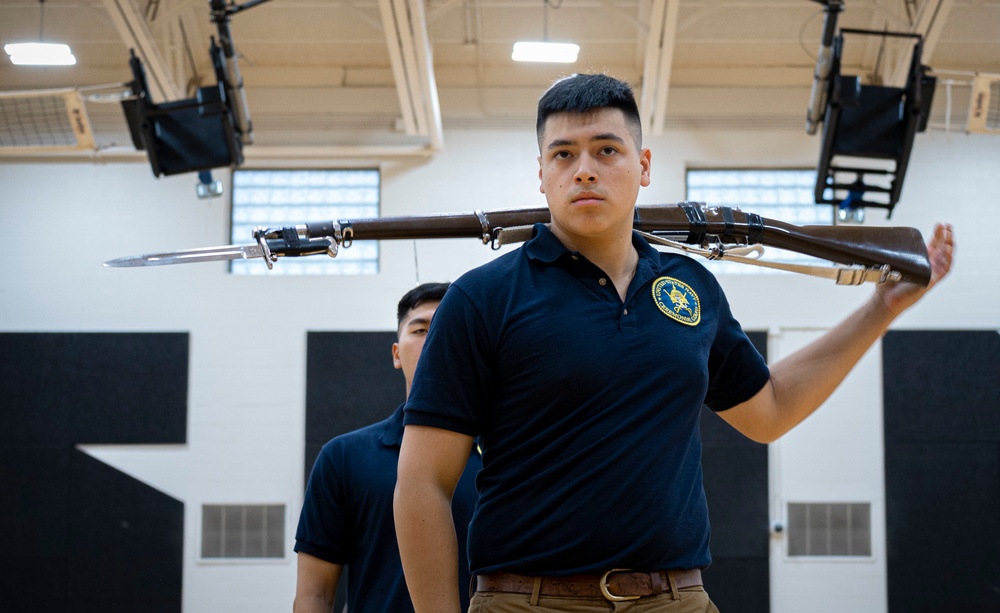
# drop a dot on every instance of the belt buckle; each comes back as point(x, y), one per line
point(603, 584)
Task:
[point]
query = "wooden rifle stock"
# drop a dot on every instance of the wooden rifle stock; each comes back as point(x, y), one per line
point(902, 249)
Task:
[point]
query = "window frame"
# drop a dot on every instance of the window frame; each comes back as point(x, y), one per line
point(346, 262)
point(771, 253)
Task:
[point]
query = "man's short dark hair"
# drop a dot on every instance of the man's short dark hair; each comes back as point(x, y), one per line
point(580, 93)
point(426, 292)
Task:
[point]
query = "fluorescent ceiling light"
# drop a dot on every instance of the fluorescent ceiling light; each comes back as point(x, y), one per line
point(564, 53)
point(40, 54)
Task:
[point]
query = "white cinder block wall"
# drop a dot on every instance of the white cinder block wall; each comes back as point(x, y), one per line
point(246, 391)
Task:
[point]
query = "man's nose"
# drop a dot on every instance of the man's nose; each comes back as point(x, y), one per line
point(585, 171)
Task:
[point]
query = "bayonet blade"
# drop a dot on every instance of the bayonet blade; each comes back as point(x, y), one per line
point(204, 254)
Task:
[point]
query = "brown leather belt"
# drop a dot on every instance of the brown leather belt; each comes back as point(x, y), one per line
point(613, 585)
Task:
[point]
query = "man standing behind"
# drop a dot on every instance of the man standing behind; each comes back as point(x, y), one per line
point(346, 517)
point(584, 385)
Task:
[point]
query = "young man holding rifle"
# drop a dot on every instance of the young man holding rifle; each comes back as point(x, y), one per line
point(581, 361)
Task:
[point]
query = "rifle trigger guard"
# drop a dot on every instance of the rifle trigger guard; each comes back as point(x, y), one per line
point(487, 237)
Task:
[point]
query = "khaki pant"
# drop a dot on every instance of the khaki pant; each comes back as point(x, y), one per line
point(691, 600)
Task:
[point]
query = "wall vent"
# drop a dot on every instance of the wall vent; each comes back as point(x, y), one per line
point(829, 529)
point(242, 531)
point(44, 120)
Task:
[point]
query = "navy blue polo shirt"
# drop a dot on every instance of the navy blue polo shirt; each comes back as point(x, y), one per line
point(347, 515)
point(587, 408)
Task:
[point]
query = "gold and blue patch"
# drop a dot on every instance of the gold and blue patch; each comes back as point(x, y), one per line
point(677, 300)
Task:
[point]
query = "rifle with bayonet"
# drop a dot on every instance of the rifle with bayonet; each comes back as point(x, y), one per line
point(873, 254)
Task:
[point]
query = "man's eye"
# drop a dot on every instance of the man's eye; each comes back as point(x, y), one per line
point(561, 155)
point(609, 150)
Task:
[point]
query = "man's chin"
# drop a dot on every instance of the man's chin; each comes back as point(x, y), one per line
point(582, 228)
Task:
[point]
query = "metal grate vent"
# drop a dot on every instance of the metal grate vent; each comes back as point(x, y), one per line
point(829, 529)
point(44, 120)
point(243, 531)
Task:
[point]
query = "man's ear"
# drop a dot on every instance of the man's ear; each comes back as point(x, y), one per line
point(646, 163)
point(395, 356)
point(541, 185)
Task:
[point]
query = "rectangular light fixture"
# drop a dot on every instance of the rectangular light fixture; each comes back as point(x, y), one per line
point(563, 53)
point(40, 54)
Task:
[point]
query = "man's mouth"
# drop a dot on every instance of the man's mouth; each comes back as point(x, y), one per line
point(587, 198)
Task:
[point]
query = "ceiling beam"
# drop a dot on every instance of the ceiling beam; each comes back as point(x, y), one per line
point(135, 33)
point(175, 8)
point(658, 63)
point(405, 26)
point(930, 20)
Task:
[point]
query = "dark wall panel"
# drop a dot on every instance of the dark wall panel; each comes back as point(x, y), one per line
point(735, 473)
point(739, 585)
point(29, 584)
point(737, 499)
point(350, 383)
point(33, 518)
point(76, 534)
point(942, 386)
point(943, 519)
point(144, 528)
point(942, 464)
point(102, 388)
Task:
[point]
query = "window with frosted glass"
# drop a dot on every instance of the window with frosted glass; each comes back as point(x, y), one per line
point(279, 198)
point(780, 194)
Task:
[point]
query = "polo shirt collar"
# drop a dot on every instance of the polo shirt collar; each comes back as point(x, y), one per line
point(392, 429)
point(544, 246)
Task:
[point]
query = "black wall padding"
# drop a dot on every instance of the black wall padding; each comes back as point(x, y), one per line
point(942, 470)
point(735, 473)
point(350, 383)
point(143, 527)
point(93, 388)
point(77, 534)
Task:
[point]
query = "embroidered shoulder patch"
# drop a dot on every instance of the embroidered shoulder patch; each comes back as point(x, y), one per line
point(677, 300)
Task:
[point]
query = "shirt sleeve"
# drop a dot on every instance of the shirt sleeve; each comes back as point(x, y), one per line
point(737, 371)
point(450, 388)
point(324, 529)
